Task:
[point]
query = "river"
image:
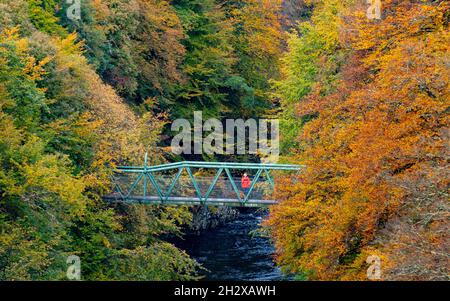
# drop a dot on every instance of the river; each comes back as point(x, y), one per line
point(231, 252)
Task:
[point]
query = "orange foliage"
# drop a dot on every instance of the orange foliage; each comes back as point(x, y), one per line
point(384, 131)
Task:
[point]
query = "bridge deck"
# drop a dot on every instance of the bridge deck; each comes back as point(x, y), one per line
point(189, 201)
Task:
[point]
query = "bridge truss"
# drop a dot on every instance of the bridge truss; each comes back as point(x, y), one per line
point(165, 184)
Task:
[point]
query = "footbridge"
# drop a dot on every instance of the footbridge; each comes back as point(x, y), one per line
point(198, 183)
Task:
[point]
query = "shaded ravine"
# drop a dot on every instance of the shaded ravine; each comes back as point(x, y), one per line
point(231, 252)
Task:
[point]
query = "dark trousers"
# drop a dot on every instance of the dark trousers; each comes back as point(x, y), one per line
point(245, 190)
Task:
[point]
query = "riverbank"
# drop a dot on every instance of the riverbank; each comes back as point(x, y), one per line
point(207, 218)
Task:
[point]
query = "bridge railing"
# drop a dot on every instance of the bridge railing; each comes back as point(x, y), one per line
point(152, 184)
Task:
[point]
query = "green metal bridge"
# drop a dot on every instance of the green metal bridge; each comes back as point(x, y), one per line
point(196, 183)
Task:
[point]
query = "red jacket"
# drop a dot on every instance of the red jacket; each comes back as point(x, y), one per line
point(245, 182)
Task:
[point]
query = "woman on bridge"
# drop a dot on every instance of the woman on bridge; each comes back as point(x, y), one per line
point(245, 183)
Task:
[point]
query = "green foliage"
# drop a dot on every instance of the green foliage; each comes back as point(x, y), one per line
point(189, 55)
point(42, 15)
point(161, 262)
point(311, 57)
point(60, 127)
point(78, 97)
point(135, 45)
point(257, 39)
point(208, 59)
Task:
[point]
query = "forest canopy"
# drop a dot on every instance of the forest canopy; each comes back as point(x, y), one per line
point(366, 103)
point(79, 96)
point(363, 103)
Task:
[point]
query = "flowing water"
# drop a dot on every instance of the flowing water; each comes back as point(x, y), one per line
point(231, 252)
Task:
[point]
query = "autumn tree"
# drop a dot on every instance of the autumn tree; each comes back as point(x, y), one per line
point(63, 130)
point(258, 42)
point(377, 152)
point(135, 45)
